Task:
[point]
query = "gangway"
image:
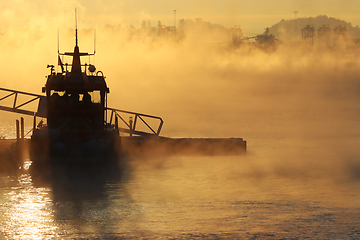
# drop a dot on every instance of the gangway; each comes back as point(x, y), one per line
point(18, 106)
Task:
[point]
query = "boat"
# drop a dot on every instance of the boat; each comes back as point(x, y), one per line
point(75, 108)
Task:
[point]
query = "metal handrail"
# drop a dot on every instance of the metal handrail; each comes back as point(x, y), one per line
point(16, 107)
point(131, 128)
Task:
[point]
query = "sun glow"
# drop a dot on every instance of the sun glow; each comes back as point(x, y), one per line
point(27, 210)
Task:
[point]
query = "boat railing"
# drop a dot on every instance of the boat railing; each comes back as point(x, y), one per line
point(138, 123)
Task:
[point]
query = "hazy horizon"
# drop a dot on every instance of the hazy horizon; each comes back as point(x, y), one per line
point(252, 16)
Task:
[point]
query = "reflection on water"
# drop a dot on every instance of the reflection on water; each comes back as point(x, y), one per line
point(26, 210)
point(83, 196)
point(177, 197)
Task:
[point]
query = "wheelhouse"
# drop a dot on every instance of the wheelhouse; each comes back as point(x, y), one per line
point(76, 99)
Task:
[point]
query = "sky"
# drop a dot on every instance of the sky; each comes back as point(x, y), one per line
point(253, 16)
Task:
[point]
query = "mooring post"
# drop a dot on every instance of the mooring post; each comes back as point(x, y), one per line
point(17, 130)
point(22, 128)
point(34, 123)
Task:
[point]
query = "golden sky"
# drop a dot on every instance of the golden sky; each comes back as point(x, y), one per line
point(253, 16)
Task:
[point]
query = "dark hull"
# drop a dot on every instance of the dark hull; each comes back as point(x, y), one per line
point(51, 146)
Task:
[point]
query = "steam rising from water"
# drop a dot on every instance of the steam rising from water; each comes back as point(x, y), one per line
point(296, 96)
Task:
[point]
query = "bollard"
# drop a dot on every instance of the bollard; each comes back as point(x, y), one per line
point(17, 130)
point(22, 134)
point(34, 123)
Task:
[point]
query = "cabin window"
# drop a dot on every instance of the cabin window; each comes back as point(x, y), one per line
point(60, 93)
point(95, 96)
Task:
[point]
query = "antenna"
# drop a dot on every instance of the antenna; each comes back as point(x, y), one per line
point(76, 49)
point(58, 41)
point(94, 40)
point(75, 19)
point(76, 36)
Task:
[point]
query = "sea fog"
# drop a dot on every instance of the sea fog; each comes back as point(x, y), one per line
point(295, 105)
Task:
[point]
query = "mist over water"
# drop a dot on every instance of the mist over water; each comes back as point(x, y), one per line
point(298, 103)
point(297, 108)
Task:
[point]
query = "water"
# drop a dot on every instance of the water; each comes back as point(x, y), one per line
point(260, 195)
